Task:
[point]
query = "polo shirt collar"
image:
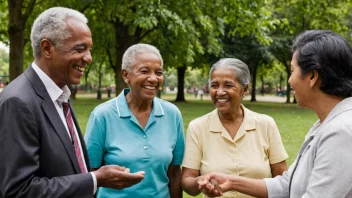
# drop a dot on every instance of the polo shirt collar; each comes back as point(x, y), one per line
point(247, 125)
point(124, 111)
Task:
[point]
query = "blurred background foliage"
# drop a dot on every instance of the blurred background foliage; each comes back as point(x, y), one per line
point(191, 35)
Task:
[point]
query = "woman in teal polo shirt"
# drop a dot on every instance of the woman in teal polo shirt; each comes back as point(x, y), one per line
point(139, 131)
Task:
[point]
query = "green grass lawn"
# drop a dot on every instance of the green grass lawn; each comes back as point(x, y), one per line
point(293, 122)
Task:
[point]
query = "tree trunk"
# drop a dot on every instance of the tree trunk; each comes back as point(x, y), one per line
point(16, 52)
point(120, 84)
point(181, 84)
point(123, 40)
point(100, 77)
point(281, 79)
point(262, 80)
point(16, 37)
point(288, 91)
point(16, 27)
point(254, 82)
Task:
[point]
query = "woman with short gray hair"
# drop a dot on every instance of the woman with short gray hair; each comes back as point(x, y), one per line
point(138, 130)
point(231, 139)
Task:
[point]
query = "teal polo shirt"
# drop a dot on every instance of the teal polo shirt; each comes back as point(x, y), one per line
point(114, 137)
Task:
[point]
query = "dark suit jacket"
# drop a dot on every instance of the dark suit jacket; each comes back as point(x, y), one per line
point(37, 158)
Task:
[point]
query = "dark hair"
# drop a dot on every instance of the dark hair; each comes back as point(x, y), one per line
point(329, 54)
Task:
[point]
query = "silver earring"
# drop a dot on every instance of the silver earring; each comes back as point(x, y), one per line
point(126, 81)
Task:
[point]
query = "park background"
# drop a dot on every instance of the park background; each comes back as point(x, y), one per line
point(191, 35)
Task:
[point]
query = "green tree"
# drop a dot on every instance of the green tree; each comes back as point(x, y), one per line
point(19, 12)
point(297, 16)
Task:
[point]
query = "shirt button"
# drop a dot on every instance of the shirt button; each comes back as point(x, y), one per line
point(145, 136)
point(145, 147)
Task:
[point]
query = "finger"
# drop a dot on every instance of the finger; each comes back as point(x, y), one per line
point(127, 170)
point(208, 189)
point(134, 177)
point(119, 168)
point(140, 173)
point(216, 185)
point(202, 184)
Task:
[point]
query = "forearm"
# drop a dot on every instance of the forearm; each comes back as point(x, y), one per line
point(253, 187)
point(175, 189)
point(190, 185)
point(79, 185)
point(174, 175)
point(278, 168)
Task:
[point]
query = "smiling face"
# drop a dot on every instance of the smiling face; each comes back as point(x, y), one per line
point(68, 61)
point(225, 90)
point(146, 76)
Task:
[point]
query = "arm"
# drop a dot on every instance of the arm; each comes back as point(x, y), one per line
point(252, 187)
point(332, 170)
point(174, 175)
point(174, 170)
point(190, 181)
point(192, 162)
point(276, 152)
point(278, 168)
point(20, 141)
point(191, 184)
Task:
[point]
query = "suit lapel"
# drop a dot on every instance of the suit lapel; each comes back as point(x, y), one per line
point(50, 110)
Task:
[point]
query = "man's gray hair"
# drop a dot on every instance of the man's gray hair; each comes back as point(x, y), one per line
point(129, 57)
point(51, 25)
point(240, 68)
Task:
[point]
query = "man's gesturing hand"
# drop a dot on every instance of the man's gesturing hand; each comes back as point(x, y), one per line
point(113, 176)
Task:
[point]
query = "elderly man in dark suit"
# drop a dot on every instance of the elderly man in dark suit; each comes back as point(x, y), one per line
point(42, 150)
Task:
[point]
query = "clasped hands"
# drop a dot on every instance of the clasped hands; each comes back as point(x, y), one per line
point(214, 184)
point(117, 177)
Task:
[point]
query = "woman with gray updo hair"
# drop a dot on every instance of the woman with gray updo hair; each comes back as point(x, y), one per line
point(240, 68)
point(231, 139)
point(51, 25)
point(138, 130)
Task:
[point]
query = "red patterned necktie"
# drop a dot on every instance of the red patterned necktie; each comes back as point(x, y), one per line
point(69, 121)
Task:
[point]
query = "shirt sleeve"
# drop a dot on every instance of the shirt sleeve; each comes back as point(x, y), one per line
point(193, 152)
point(331, 174)
point(95, 184)
point(276, 152)
point(278, 187)
point(180, 144)
point(95, 141)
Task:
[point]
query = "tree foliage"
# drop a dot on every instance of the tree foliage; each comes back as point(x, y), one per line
point(296, 16)
point(188, 33)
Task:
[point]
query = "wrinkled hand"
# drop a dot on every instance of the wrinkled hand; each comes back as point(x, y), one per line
point(214, 184)
point(113, 176)
point(209, 187)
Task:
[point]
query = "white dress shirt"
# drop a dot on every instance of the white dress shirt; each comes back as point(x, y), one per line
point(55, 92)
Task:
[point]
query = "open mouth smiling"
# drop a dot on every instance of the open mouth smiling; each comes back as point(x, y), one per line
point(149, 87)
point(79, 68)
point(222, 100)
